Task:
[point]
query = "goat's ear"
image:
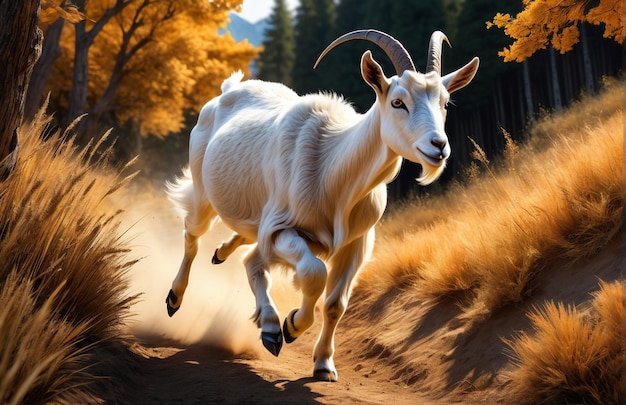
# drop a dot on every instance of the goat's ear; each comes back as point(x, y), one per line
point(460, 78)
point(373, 74)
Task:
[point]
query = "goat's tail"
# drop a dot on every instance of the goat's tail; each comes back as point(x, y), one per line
point(234, 78)
point(181, 193)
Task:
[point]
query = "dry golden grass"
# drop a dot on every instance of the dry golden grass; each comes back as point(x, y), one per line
point(490, 237)
point(572, 352)
point(39, 350)
point(62, 269)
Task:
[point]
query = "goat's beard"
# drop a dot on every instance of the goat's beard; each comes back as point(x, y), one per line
point(430, 173)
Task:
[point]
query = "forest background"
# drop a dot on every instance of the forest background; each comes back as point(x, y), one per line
point(146, 67)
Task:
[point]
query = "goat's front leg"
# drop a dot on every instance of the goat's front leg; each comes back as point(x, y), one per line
point(344, 266)
point(196, 224)
point(266, 314)
point(311, 275)
point(179, 285)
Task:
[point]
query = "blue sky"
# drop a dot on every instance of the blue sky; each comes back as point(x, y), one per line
point(254, 10)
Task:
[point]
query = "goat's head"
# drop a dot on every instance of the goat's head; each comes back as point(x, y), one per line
point(412, 105)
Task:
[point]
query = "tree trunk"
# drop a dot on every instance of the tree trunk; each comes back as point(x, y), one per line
point(557, 103)
point(80, 83)
point(80, 79)
point(496, 96)
point(103, 105)
point(528, 93)
point(589, 84)
point(20, 47)
point(49, 54)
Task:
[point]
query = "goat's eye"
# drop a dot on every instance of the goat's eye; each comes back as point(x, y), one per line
point(397, 103)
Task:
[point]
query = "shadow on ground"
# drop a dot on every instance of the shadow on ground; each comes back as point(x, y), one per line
point(158, 371)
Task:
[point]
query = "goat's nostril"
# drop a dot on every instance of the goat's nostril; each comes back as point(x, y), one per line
point(438, 143)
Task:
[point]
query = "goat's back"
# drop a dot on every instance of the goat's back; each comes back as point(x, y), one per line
point(260, 144)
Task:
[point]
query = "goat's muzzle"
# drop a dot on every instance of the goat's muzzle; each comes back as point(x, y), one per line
point(434, 148)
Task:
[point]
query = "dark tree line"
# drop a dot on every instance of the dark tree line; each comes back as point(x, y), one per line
point(502, 96)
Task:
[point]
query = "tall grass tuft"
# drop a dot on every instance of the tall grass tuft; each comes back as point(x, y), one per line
point(573, 354)
point(63, 264)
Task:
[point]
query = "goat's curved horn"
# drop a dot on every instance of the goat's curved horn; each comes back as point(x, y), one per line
point(393, 48)
point(434, 51)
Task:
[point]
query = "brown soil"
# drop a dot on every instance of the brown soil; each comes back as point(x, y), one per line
point(164, 372)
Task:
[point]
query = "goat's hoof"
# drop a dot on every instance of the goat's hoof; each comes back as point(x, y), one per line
point(215, 259)
point(325, 375)
point(289, 338)
point(273, 342)
point(171, 297)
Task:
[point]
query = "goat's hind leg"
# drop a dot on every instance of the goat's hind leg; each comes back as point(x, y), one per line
point(228, 247)
point(196, 224)
point(311, 274)
point(266, 314)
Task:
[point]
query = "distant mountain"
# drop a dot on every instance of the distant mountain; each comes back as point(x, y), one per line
point(241, 29)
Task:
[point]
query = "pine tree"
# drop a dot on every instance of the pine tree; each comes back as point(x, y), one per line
point(414, 22)
point(342, 66)
point(313, 31)
point(379, 16)
point(276, 61)
point(473, 39)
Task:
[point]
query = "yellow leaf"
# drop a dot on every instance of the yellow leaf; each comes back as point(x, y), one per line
point(51, 10)
point(542, 22)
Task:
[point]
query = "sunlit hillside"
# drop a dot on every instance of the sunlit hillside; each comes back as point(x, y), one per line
point(510, 286)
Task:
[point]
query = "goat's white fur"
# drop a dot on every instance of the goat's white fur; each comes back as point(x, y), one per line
point(305, 178)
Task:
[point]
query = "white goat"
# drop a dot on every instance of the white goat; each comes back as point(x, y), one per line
point(305, 178)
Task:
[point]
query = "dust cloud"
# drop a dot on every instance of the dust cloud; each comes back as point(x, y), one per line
point(218, 302)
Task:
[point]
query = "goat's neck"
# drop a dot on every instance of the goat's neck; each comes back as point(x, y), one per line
point(360, 160)
point(353, 162)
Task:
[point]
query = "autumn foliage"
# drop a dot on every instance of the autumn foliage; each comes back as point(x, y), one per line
point(51, 10)
point(556, 22)
point(152, 61)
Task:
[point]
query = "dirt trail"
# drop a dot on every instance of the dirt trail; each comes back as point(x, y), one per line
point(168, 373)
